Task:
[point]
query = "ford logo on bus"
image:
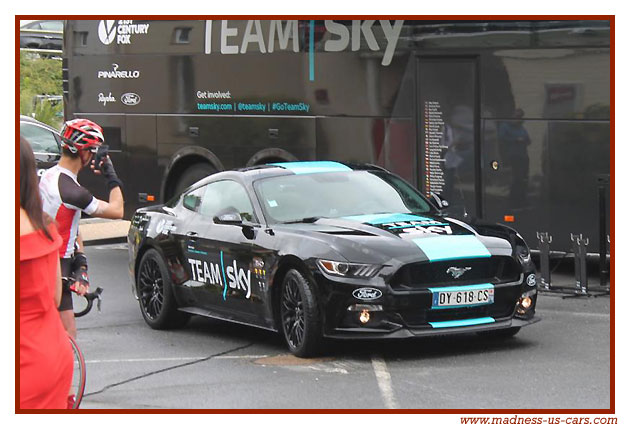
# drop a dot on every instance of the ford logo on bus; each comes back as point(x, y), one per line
point(367, 293)
point(130, 99)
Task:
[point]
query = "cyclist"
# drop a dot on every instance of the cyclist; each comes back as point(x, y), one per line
point(64, 199)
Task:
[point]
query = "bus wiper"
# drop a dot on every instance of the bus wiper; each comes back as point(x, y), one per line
point(311, 219)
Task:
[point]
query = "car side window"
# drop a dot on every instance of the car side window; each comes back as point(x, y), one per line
point(226, 196)
point(192, 200)
point(52, 25)
point(41, 139)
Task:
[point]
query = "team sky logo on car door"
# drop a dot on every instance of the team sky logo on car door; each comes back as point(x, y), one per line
point(227, 276)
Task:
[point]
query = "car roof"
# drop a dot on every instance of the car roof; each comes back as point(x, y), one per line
point(24, 118)
point(277, 169)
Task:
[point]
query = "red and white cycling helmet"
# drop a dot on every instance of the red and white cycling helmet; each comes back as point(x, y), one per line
point(81, 134)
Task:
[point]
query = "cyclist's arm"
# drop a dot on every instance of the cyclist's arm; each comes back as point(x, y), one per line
point(112, 209)
point(79, 242)
point(80, 287)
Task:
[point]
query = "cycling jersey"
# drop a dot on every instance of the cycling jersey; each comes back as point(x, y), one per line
point(64, 200)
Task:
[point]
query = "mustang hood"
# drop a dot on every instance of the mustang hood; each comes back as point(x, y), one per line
point(405, 237)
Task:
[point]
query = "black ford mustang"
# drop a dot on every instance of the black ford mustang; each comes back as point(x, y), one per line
point(324, 249)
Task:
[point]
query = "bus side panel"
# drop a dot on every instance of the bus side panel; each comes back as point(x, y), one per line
point(233, 140)
point(142, 166)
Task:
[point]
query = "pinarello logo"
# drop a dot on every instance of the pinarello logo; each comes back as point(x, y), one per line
point(130, 98)
point(107, 31)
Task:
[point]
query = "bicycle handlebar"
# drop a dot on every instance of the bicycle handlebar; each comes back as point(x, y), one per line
point(89, 297)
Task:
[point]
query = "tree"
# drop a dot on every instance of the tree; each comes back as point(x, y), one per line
point(40, 76)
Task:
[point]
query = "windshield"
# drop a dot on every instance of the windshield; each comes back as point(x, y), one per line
point(310, 196)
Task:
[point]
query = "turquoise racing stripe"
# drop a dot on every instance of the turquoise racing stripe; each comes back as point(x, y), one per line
point(313, 167)
point(380, 218)
point(447, 247)
point(461, 288)
point(465, 322)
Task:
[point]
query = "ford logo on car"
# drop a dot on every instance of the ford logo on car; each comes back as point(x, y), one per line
point(130, 99)
point(367, 293)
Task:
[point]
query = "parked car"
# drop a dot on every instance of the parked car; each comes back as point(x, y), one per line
point(325, 249)
point(45, 141)
point(37, 40)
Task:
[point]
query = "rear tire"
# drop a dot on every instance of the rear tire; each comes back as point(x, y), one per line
point(500, 334)
point(77, 387)
point(155, 294)
point(299, 315)
point(193, 174)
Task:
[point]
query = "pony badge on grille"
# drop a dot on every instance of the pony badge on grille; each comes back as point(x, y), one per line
point(457, 272)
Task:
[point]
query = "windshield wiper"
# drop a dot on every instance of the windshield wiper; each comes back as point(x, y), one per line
point(311, 219)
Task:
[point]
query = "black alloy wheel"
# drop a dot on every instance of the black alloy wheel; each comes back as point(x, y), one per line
point(292, 313)
point(299, 315)
point(155, 294)
point(151, 288)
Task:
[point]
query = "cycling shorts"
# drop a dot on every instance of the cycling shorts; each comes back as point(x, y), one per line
point(66, 293)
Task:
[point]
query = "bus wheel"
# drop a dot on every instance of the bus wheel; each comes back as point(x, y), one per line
point(193, 174)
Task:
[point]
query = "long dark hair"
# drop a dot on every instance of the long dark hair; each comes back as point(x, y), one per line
point(30, 199)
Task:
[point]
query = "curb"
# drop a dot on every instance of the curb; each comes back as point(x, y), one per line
point(103, 241)
point(103, 231)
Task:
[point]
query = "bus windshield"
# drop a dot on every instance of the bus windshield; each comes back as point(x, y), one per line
point(293, 198)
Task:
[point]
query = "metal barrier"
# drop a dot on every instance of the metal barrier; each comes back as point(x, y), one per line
point(581, 287)
point(544, 239)
point(603, 187)
point(579, 252)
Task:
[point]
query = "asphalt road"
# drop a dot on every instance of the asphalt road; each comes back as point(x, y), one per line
point(560, 362)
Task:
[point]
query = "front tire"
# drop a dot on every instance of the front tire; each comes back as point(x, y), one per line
point(155, 294)
point(299, 315)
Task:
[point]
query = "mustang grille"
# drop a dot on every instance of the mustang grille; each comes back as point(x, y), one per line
point(422, 275)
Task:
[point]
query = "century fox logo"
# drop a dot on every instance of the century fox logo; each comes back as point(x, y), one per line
point(208, 272)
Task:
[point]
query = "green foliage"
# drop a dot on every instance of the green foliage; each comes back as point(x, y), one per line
point(40, 76)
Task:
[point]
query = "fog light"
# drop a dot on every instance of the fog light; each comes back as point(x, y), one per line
point(526, 302)
point(364, 317)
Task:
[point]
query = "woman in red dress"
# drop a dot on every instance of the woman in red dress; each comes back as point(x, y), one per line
point(45, 352)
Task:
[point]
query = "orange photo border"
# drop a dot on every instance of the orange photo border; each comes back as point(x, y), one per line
point(610, 410)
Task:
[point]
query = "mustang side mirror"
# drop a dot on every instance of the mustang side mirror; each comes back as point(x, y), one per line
point(230, 218)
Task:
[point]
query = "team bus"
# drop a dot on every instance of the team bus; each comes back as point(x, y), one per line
point(509, 121)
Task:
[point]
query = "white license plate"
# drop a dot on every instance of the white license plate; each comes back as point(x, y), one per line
point(463, 298)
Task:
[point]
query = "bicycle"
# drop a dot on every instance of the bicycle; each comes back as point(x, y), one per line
point(79, 373)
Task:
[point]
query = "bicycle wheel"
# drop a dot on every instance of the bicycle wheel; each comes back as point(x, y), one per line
point(78, 377)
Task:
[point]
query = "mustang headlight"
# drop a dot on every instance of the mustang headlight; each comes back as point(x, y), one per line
point(347, 269)
point(521, 250)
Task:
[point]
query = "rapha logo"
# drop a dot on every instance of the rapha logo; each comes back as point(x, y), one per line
point(109, 98)
point(130, 98)
point(457, 272)
point(107, 31)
